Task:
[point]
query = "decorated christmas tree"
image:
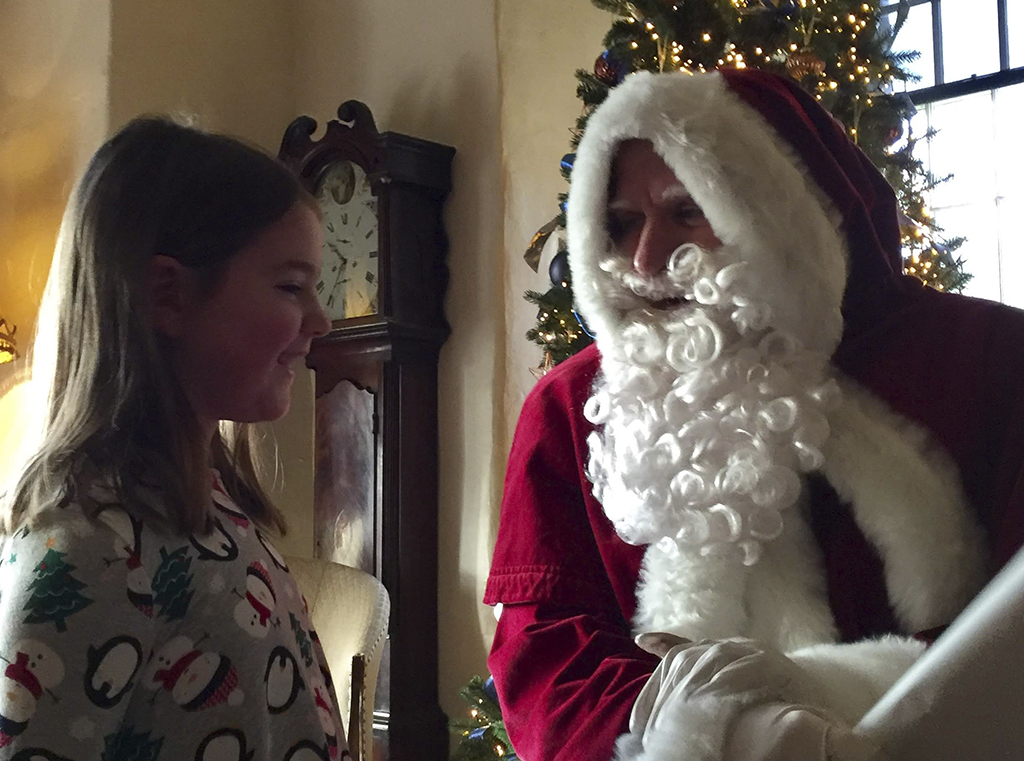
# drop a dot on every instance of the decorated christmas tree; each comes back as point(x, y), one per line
point(483, 734)
point(836, 49)
point(55, 592)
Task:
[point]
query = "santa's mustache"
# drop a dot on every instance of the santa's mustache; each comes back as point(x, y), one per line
point(705, 413)
point(716, 278)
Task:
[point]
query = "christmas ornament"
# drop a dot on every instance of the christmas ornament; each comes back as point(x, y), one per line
point(558, 270)
point(567, 161)
point(537, 242)
point(8, 347)
point(607, 69)
point(803, 62)
point(542, 369)
point(894, 134)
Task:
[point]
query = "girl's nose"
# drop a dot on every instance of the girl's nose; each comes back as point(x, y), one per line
point(317, 322)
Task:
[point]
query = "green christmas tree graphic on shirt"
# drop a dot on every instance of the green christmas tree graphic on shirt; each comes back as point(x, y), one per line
point(172, 582)
point(55, 592)
point(302, 640)
point(126, 745)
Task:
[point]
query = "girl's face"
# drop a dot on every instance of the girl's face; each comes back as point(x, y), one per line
point(237, 348)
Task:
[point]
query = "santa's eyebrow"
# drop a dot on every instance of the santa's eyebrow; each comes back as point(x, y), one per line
point(675, 193)
point(621, 206)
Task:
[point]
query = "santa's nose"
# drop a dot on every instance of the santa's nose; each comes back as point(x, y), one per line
point(654, 248)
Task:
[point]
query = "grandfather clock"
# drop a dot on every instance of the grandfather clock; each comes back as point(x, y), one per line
point(376, 473)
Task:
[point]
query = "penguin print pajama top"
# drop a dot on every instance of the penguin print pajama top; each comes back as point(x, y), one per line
point(119, 642)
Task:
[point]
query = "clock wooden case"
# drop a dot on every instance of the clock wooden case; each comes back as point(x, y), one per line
point(383, 285)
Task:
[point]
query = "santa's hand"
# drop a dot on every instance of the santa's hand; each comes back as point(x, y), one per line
point(733, 700)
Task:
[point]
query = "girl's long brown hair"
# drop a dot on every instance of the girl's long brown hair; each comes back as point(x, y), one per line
point(113, 404)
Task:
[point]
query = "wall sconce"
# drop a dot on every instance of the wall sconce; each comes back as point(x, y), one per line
point(8, 346)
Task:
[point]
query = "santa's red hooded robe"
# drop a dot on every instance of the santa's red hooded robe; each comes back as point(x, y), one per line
point(563, 657)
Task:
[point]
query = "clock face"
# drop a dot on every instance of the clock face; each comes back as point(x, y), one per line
point(349, 283)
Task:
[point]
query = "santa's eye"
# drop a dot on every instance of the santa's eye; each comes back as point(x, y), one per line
point(621, 223)
point(689, 214)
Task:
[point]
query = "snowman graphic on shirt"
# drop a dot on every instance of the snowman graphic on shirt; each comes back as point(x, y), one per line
point(254, 611)
point(196, 680)
point(324, 711)
point(229, 509)
point(35, 668)
point(128, 547)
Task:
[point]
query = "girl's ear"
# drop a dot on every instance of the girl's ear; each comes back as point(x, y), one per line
point(168, 285)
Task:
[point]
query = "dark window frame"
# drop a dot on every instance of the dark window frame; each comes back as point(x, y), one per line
point(943, 90)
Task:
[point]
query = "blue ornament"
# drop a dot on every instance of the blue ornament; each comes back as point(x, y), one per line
point(558, 270)
point(477, 734)
point(567, 161)
point(489, 689)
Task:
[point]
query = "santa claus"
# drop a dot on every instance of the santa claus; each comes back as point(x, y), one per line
point(781, 460)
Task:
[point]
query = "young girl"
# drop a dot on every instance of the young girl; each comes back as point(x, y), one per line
point(144, 614)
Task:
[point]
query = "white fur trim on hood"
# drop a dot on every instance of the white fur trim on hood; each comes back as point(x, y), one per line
point(744, 177)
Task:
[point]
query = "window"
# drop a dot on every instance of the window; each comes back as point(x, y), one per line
point(971, 92)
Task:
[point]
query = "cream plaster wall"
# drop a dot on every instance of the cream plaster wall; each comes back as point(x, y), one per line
point(429, 68)
point(227, 63)
point(541, 44)
point(53, 111)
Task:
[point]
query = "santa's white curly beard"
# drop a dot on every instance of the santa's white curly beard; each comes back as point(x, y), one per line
point(706, 415)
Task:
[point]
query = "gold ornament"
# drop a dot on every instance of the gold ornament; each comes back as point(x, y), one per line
point(803, 62)
point(8, 346)
point(542, 369)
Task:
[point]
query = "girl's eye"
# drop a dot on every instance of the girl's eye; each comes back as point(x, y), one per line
point(293, 288)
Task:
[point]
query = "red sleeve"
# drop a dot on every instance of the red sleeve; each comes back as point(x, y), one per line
point(566, 680)
point(563, 659)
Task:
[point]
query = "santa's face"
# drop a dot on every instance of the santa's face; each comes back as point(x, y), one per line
point(650, 213)
point(706, 414)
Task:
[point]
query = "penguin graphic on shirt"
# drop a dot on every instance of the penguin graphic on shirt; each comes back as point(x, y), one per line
point(111, 669)
point(283, 679)
point(224, 745)
point(217, 545)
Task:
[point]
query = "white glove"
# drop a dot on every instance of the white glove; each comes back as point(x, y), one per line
point(732, 700)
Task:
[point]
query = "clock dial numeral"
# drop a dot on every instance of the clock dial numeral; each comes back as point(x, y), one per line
point(351, 231)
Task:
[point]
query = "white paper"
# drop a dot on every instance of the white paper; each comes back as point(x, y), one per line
point(964, 699)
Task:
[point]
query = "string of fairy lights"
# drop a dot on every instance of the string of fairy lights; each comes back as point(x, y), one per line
point(832, 47)
point(860, 68)
point(671, 52)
